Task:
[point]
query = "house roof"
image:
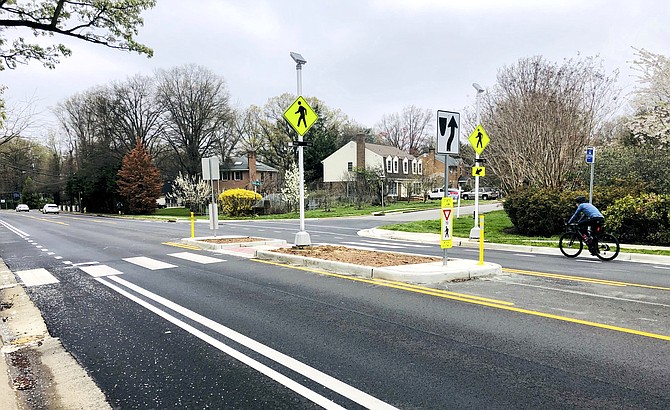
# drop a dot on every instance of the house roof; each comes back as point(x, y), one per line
point(242, 164)
point(453, 162)
point(386, 151)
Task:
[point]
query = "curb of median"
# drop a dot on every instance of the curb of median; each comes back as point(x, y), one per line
point(199, 242)
point(427, 273)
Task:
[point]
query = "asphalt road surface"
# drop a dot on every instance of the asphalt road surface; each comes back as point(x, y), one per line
point(158, 325)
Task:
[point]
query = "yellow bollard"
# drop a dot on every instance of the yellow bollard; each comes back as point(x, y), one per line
point(481, 239)
point(192, 226)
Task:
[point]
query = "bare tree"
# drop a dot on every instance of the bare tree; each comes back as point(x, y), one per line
point(540, 116)
point(196, 108)
point(407, 130)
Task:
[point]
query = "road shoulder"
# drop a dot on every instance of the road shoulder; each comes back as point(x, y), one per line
point(35, 370)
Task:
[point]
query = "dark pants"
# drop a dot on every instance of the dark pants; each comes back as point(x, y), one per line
point(593, 223)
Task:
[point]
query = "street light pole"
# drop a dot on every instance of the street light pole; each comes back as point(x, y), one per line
point(474, 232)
point(302, 237)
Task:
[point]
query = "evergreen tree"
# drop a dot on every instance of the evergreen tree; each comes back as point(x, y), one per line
point(139, 181)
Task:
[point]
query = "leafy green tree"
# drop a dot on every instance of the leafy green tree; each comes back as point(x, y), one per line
point(111, 23)
point(139, 181)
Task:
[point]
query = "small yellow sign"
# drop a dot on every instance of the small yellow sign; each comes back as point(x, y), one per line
point(447, 222)
point(300, 115)
point(478, 171)
point(479, 139)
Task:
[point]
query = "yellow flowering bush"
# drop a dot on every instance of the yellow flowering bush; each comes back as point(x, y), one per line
point(237, 202)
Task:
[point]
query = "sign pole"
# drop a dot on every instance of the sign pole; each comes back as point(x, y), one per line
point(591, 159)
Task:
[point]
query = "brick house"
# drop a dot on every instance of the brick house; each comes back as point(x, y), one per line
point(242, 172)
point(433, 165)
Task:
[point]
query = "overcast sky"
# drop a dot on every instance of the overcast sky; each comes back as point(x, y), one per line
point(365, 57)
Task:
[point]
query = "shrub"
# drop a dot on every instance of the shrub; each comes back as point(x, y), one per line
point(640, 219)
point(539, 212)
point(237, 202)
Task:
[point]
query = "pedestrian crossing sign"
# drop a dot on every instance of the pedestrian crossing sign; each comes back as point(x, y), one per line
point(300, 115)
point(479, 139)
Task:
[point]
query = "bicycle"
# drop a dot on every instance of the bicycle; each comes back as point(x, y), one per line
point(603, 245)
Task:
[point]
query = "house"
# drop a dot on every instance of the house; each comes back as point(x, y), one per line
point(246, 173)
point(434, 166)
point(400, 170)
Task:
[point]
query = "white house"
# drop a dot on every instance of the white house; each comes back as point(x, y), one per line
point(396, 166)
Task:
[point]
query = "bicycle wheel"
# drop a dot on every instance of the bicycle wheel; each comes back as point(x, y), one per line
point(607, 247)
point(570, 244)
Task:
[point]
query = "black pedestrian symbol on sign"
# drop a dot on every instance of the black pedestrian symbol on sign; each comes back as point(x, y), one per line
point(479, 140)
point(303, 112)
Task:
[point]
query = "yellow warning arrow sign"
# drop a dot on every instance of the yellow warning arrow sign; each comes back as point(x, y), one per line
point(300, 115)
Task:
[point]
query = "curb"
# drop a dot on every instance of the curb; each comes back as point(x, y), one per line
point(426, 273)
point(432, 238)
point(218, 246)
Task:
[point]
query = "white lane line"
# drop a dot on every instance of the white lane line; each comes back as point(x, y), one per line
point(149, 263)
point(36, 277)
point(51, 253)
point(325, 380)
point(254, 364)
point(67, 262)
point(13, 229)
point(193, 257)
point(100, 270)
point(662, 267)
point(524, 255)
point(400, 245)
point(58, 257)
point(372, 244)
point(38, 246)
point(85, 263)
point(44, 250)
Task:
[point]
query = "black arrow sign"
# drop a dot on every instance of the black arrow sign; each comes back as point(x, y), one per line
point(478, 171)
point(452, 126)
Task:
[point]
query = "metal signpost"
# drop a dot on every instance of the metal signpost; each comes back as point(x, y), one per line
point(591, 159)
point(301, 117)
point(210, 170)
point(446, 225)
point(479, 139)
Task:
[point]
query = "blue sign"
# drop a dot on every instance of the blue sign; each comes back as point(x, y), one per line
point(16, 196)
point(590, 155)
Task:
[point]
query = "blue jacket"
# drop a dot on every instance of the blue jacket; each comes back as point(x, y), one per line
point(584, 212)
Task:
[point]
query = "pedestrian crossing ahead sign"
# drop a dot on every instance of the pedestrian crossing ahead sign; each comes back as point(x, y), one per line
point(300, 115)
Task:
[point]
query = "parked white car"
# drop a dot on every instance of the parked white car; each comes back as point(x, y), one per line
point(439, 193)
point(50, 209)
point(22, 208)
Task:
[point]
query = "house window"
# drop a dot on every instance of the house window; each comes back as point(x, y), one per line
point(237, 175)
point(405, 166)
point(350, 166)
point(413, 166)
point(224, 175)
point(388, 165)
point(395, 165)
point(420, 168)
point(393, 189)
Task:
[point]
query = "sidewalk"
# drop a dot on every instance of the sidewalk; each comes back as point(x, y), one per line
point(433, 238)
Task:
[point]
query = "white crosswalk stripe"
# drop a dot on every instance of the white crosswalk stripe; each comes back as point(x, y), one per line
point(36, 277)
point(100, 270)
point(193, 257)
point(149, 263)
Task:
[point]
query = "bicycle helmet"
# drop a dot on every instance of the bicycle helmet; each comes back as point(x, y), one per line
point(581, 199)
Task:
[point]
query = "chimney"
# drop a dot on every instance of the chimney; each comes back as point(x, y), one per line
point(251, 157)
point(360, 151)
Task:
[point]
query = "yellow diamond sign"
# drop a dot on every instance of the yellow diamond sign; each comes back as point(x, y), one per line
point(479, 139)
point(300, 115)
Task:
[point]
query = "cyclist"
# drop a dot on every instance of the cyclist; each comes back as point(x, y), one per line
point(588, 218)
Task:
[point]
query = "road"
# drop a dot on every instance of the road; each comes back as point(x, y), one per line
point(160, 326)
